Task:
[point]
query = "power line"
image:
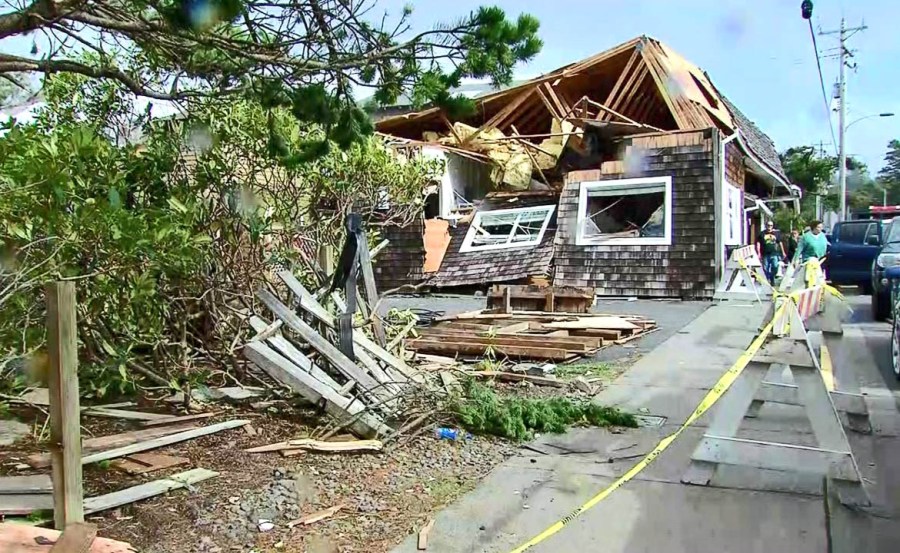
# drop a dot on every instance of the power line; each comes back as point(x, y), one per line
point(812, 33)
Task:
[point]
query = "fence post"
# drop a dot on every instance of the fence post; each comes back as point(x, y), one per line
point(65, 415)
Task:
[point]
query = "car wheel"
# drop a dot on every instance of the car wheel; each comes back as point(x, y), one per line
point(895, 351)
point(881, 307)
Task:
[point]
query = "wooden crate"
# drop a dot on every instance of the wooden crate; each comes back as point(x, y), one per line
point(566, 299)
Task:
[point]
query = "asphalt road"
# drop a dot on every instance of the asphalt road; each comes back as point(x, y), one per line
point(877, 336)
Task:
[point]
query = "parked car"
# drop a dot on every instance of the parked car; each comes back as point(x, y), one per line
point(893, 275)
point(854, 247)
point(888, 257)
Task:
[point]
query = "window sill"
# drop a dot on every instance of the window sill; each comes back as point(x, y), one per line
point(624, 242)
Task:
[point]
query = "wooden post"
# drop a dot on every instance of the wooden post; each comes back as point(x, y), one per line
point(365, 264)
point(326, 260)
point(65, 415)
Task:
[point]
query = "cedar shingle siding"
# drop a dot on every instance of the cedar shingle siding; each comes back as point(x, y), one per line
point(686, 269)
point(485, 267)
point(402, 259)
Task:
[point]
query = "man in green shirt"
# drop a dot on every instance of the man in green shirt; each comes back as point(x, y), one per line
point(813, 243)
point(770, 251)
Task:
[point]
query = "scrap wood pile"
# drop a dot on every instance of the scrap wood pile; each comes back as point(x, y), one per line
point(355, 379)
point(536, 335)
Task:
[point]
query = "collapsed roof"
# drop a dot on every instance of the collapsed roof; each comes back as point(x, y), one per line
point(639, 86)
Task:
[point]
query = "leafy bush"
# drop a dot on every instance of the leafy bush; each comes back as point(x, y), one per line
point(169, 235)
point(482, 410)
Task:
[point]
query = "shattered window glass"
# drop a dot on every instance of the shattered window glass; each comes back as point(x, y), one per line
point(507, 228)
point(625, 210)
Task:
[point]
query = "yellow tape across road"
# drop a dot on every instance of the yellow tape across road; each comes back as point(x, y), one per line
point(708, 401)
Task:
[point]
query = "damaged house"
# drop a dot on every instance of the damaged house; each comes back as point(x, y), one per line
point(628, 172)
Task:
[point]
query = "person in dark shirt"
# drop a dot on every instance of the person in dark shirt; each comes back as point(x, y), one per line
point(770, 250)
point(792, 240)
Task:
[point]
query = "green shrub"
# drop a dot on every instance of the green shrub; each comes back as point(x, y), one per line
point(482, 410)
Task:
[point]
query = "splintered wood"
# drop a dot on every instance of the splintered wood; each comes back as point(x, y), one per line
point(358, 393)
point(538, 335)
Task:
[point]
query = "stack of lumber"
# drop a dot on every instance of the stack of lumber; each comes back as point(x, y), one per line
point(360, 393)
point(538, 335)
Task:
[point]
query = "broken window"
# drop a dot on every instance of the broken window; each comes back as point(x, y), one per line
point(625, 212)
point(507, 228)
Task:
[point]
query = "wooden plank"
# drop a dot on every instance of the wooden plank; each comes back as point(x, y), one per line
point(604, 323)
point(25, 504)
point(506, 340)
point(334, 356)
point(514, 328)
point(422, 538)
point(317, 445)
point(470, 348)
point(596, 333)
point(635, 336)
point(519, 377)
point(619, 83)
point(126, 415)
point(498, 119)
point(295, 356)
point(65, 412)
point(36, 484)
point(316, 517)
point(309, 303)
point(162, 441)
point(142, 463)
point(42, 460)
point(177, 419)
point(365, 265)
point(304, 384)
point(25, 538)
point(76, 538)
point(146, 491)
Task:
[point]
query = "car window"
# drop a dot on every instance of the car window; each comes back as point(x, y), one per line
point(870, 232)
point(853, 233)
point(892, 233)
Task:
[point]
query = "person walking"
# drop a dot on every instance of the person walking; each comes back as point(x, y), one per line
point(770, 250)
point(793, 240)
point(813, 243)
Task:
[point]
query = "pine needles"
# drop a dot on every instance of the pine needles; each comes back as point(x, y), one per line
point(481, 410)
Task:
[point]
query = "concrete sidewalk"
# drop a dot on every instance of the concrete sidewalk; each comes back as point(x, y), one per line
point(746, 510)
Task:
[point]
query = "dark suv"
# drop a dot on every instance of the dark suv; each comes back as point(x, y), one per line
point(854, 247)
point(888, 257)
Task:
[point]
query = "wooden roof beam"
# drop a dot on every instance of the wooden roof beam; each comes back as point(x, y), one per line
point(623, 76)
point(500, 117)
point(631, 88)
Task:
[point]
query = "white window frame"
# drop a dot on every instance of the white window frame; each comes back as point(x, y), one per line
point(468, 246)
point(588, 186)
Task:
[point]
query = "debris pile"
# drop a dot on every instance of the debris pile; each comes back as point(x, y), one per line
point(521, 335)
point(360, 388)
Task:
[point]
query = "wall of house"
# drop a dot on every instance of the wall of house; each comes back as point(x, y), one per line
point(686, 269)
point(402, 260)
point(735, 172)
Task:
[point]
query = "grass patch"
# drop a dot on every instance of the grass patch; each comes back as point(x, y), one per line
point(481, 410)
point(590, 368)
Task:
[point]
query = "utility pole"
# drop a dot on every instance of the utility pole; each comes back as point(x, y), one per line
point(844, 33)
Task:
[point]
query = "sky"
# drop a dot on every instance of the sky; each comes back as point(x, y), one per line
point(758, 53)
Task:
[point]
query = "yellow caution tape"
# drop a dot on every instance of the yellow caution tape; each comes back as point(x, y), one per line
point(708, 401)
